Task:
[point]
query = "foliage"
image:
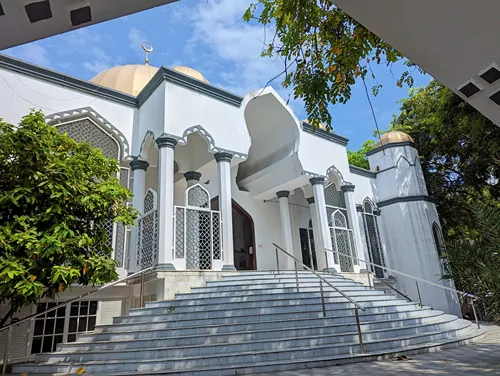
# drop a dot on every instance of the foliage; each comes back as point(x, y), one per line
point(475, 262)
point(324, 51)
point(56, 196)
point(459, 150)
point(358, 158)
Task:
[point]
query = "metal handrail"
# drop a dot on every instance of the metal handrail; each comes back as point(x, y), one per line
point(72, 300)
point(357, 306)
point(391, 287)
point(417, 279)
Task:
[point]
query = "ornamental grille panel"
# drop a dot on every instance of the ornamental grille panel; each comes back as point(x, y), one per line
point(86, 130)
point(147, 229)
point(372, 236)
point(342, 242)
point(121, 229)
point(197, 237)
point(198, 197)
point(333, 197)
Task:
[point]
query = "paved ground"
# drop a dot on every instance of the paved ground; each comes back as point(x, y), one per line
point(481, 358)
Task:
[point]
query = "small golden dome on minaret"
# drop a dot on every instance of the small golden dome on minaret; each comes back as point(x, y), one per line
point(393, 137)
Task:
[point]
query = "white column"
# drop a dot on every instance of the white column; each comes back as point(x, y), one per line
point(166, 147)
point(286, 230)
point(319, 199)
point(192, 178)
point(139, 190)
point(352, 216)
point(226, 208)
point(319, 243)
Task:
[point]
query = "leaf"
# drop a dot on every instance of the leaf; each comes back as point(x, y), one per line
point(79, 371)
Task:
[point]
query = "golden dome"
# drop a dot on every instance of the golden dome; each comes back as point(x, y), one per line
point(393, 137)
point(131, 79)
point(190, 72)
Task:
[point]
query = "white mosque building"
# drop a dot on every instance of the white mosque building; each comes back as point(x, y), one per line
point(219, 178)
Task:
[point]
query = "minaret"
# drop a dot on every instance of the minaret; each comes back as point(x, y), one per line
point(408, 214)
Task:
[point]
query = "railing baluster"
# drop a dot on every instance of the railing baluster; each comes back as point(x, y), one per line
point(475, 313)
point(141, 294)
point(297, 276)
point(7, 349)
point(322, 297)
point(277, 260)
point(356, 313)
point(419, 297)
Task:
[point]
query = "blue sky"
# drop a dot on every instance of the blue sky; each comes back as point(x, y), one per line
point(212, 37)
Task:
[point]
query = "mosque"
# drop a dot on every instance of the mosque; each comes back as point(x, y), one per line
point(218, 178)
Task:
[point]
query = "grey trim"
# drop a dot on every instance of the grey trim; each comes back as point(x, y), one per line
point(330, 136)
point(172, 76)
point(397, 200)
point(163, 74)
point(137, 164)
point(168, 142)
point(47, 75)
point(223, 157)
point(347, 188)
point(361, 171)
point(310, 200)
point(317, 180)
point(282, 194)
point(391, 145)
point(192, 175)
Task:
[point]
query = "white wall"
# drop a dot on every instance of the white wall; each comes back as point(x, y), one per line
point(151, 117)
point(19, 94)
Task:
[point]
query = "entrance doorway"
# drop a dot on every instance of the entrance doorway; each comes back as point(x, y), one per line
point(243, 236)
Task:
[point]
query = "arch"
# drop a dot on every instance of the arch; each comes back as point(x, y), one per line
point(202, 132)
point(150, 201)
point(66, 117)
point(197, 196)
point(334, 175)
point(339, 219)
point(147, 142)
point(369, 206)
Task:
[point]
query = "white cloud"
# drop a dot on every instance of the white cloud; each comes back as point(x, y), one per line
point(136, 38)
point(219, 28)
point(34, 53)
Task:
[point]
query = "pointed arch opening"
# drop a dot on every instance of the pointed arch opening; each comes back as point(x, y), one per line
point(372, 237)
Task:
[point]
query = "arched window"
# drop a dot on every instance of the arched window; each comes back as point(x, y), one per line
point(372, 236)
point(148, 232)
point(197, 196)
point(334, 200)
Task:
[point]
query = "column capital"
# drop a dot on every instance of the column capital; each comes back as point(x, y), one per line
point(137, 164)
point(192, 175)
point(282, 194)
point(317, 180)
point(223, 157)
point(310, 200)
point(166, 142)
point(347, 188)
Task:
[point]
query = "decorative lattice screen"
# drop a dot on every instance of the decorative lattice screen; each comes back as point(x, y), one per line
point(372, 236)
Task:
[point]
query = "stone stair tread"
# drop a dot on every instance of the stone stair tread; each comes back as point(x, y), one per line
point(445, 320)
point(437, 314)
point(230, 354)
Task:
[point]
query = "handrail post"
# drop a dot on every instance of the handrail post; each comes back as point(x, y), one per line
point(475, 313)
point(418, 292)
point(277, 260)
point(370, 280)
point(142, 290)
point(7, 349)
point(356, 313)
point(297, 276)
point(322, 297)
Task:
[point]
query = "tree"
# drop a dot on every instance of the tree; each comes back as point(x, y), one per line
point(56, 198)
point(324, 51)
point(358, 158)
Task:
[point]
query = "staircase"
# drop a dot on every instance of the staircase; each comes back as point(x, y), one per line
point(252, 323)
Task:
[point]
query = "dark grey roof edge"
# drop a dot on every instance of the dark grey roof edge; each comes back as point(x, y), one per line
point(35, 71)
point(330, 136)
point(397, 200)
point(170, 75)
point(361, 171)
point(391, 145)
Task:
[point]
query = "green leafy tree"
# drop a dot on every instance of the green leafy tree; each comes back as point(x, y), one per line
point(324, 51)
point(56, 196)
point(358, 157)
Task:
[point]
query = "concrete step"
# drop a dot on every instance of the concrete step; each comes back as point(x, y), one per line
point(228, 358)
point(213, 306)
point(272, 284)
point(166, 329)
point(380, 306)
point(345, 333)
